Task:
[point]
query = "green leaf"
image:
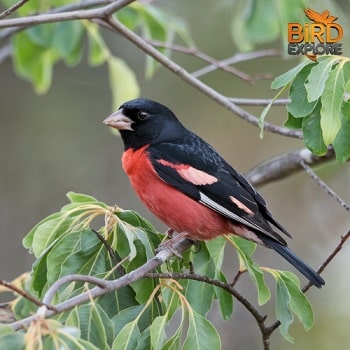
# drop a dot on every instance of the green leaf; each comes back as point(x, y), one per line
point(10, 340)
point(98, 50)
point(157, 331)
point(123, 82)
point(128, 232)
point(95, 326)
point(116, 302)
point(80, 198)
point(201, 334)
point(283, 313)
point(66, 338)
point(49, 226)
point(127, 338)
point(285, 78)
point(216, 249)
point(174, 342)
point(33, 62)
point(266, 109)
point(299, 303)
point(68, 40)
point(144, 342)
point(312, 132)
point(253, 24)
point(341, 143)
point(78, 252)
point(143, 287)
point(42, 35)
point(200, 295)
point(171, 301)
point(291, 299)
point(129, 16)
point(293, 123)
point(225, 299)
point(331, 100)
point(299, 106)
point(72, 217)
point(245, 249)
point(318, 76)
point(126, 316)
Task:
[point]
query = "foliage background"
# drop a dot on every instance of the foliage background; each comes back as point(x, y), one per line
point(55, 143)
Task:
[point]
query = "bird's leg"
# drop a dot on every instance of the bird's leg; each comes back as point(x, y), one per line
point(168, 244)
point(169, 233)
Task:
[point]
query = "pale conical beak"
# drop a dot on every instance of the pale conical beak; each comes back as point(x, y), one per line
point(119, 121)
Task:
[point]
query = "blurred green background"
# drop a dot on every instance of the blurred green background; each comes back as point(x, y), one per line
point(55, 143)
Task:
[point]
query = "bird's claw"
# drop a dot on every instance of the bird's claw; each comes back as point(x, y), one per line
point(169, 244)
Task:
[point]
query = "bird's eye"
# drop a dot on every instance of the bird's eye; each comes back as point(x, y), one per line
point(142, 115)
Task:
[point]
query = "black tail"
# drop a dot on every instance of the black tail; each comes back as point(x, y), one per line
point(293, 259)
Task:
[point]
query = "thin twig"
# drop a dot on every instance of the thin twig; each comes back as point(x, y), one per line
point(239, 57)
point(259, 101)
point(204, 57)
point(237, 276)
point(226, 286)
point(13, 8)
point(199, 85)
point(110, 250)
point(324, 186)
point(330, 257)
point(81, 5)
point(260, 319)
point(25, 295)
point(104, 13)
point(101, 12)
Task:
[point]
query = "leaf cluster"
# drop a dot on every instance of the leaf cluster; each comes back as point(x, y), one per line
point(150, 313)
point(320, 103)
point(38, 49)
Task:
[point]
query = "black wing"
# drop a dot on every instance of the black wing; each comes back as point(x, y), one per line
point(211, 181)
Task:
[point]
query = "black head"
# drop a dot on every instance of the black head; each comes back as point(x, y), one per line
point(143, 121)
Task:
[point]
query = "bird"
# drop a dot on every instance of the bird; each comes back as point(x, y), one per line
point(184, 182)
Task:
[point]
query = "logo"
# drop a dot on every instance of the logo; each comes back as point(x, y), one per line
point(318, 38)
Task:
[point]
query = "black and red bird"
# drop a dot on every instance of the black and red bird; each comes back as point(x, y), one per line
point(189, 186)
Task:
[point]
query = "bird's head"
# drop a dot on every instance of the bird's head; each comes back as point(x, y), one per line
point(143, 122)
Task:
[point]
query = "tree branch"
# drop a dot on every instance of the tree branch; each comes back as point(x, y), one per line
point(68, 15)
point(105, 286)
point(215, 64)
point(259, 101)
point(13, 8)
point(276, 168)
point(25, 295)
point(324, 186)
point(260, 319)
point(239, 57)
point(194, 82)
point(104, 13)
point(285, 165)
point(87, 4)
point(330, 257)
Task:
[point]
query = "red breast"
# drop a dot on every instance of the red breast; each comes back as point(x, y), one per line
point(175, 209)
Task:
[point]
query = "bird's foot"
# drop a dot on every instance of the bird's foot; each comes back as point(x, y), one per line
point(174, 238)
